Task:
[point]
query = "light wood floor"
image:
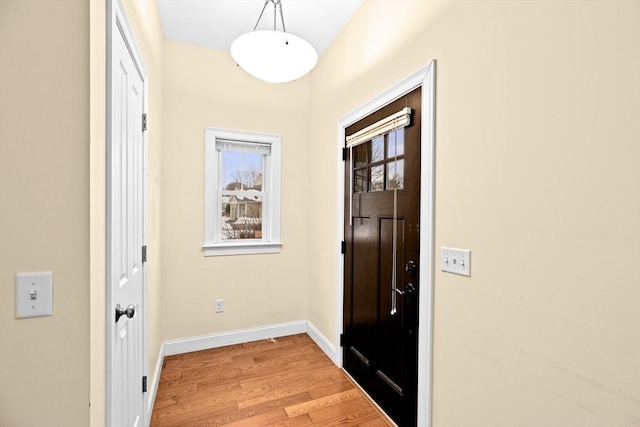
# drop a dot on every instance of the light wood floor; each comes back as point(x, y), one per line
point(287, 383)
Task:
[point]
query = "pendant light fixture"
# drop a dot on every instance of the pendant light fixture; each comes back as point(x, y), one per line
point(271, 55)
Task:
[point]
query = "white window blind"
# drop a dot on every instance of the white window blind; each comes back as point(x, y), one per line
point(243, 147)
point(395, 121)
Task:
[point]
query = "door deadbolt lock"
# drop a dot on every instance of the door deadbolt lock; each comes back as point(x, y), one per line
point(411, 267)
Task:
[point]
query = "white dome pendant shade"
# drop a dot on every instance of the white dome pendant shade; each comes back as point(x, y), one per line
point(274, 56)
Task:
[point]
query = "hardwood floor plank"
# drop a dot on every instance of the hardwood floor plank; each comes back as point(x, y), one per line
point(302, 420)
point(290, 382)
point(226, 371)
point(178, 415)
point(171, 374)
point(227, 417)
point(175, 389)
point(266, 419)
point(163, 403)
point(229, 385)
point(287, 383)
point(323, 402)
point(262, 370)
point(200, 364)
point(286, 378)
point(274, 393)
point(333, 388)
point(332, 372)
point(377, 422)
point(311, 363)
point(349, 413)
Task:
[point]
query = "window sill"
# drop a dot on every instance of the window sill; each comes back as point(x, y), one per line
point(245, 248)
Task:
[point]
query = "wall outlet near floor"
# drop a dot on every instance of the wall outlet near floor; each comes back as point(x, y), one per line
point(456, 261)
point(219, 305)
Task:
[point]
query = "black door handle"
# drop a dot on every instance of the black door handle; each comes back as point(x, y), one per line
point(408, 290)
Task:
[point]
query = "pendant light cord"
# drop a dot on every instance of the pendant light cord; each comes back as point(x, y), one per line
point(277, 4)
point(261, 13)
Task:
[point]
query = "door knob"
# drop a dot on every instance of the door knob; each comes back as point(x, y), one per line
point(130, 311)
point(408, 290)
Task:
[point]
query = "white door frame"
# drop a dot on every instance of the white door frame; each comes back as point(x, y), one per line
point(425, 78)
point(117, 22)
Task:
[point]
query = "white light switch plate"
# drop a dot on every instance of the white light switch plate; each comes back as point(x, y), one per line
point(456, 261)
point(34, 294)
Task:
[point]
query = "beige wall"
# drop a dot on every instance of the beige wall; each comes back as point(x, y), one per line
point(204, 87)
point(44, 209)
point(537, 172)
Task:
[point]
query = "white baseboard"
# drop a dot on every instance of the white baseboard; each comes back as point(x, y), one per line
point(324, 344)
point(205, 342)
point(153, 389)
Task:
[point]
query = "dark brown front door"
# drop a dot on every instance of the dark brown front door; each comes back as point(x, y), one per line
point(382, 210)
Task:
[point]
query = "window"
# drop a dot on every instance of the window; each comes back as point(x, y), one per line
point(379, 164)
point(242, 193)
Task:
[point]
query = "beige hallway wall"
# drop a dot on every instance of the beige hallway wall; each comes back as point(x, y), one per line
point(204, 87)
point(537, 172)
point(44, 209)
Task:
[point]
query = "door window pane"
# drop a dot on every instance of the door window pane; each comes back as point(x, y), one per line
point(360, 155)
point(395, 143)
point(377, 178)
point(360, 180)
point(395, 175)
point(377, 149)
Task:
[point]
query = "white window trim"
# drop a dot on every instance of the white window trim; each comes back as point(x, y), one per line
point(270, 242)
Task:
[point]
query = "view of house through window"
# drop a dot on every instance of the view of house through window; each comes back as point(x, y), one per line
point(241, 191)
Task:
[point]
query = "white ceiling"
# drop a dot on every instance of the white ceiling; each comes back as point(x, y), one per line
point(216, 23)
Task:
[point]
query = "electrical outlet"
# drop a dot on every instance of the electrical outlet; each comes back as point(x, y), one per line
point(219, 305)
